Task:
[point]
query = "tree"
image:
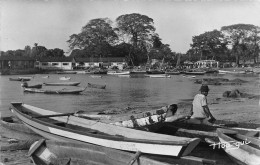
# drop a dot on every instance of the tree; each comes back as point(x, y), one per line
point(27, 51)
point(98, 36)
point(238, 35)
point(209, 44)
point(139, 29)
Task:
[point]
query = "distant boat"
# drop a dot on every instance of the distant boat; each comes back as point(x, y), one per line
point(53, 91)
point(100, 72)
point(91, 85)
point(118, 72)
point(26, 85)
point(61, 83)
point(21, 79)
point(158, 76)
point(65, 78)
point(137, 71)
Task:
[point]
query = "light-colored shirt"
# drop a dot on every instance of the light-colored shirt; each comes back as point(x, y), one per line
point(199, 101)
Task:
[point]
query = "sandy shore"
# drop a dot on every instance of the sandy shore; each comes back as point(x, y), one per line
point(239, 110)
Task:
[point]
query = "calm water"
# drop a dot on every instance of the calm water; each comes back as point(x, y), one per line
point(121, 92)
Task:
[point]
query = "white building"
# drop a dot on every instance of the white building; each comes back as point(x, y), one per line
point(206, 64)
point(55, 63)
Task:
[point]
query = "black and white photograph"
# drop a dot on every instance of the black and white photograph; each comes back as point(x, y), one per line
point(130, 82)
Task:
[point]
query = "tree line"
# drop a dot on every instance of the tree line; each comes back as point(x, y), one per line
point(134, 37)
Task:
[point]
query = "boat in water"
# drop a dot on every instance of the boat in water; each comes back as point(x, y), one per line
point(61, 83)
point(99, 86)
point(54, 91)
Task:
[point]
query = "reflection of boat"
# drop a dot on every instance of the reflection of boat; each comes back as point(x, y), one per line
point(53, 91)
point(158, 76)
point(91, 85)
point(231, 72)
point(46, 152)
point(67, 127)
point(172, 72)
point(66, 72)
point(64, 78)
point(62, 83)
point(154, 72)
point(194, 72)
point(118, 72)
point(241, 148)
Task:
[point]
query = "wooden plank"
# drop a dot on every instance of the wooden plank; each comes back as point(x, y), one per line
point(136, 156)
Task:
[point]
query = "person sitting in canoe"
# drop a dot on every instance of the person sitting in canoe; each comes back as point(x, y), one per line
point(200, 111)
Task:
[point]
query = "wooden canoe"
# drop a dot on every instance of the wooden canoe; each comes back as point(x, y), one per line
point(91, 85)
point(46, 152)
point(49, 91)
point(241, 148)
point(61, 83)
point(67, 127)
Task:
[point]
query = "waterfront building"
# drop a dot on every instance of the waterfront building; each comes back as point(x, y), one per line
point(206, 64)
point(108, 62)
point(54, 63)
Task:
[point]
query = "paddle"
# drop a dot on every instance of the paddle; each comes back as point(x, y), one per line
point(136, 156)
point(56, 115)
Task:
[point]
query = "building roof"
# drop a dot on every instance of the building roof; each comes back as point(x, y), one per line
point(16, 58)
point(108, 59)
point(55, 59)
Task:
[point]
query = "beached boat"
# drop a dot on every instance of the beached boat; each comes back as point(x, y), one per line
point(118, 72)
point(46, 152)
point(26, 85)
point(61, 83)
point(65, 78)
point(53, 91)
point(137, 71)
point(67, 127)
point(241, 148)
point(91, 85)
point(158, 76)
point(15, 124)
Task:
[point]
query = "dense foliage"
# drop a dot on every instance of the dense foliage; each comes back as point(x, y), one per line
point(134, 37)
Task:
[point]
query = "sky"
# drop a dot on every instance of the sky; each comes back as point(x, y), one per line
point(50, 22)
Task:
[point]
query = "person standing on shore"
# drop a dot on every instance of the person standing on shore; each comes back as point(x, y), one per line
point(200, 110)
